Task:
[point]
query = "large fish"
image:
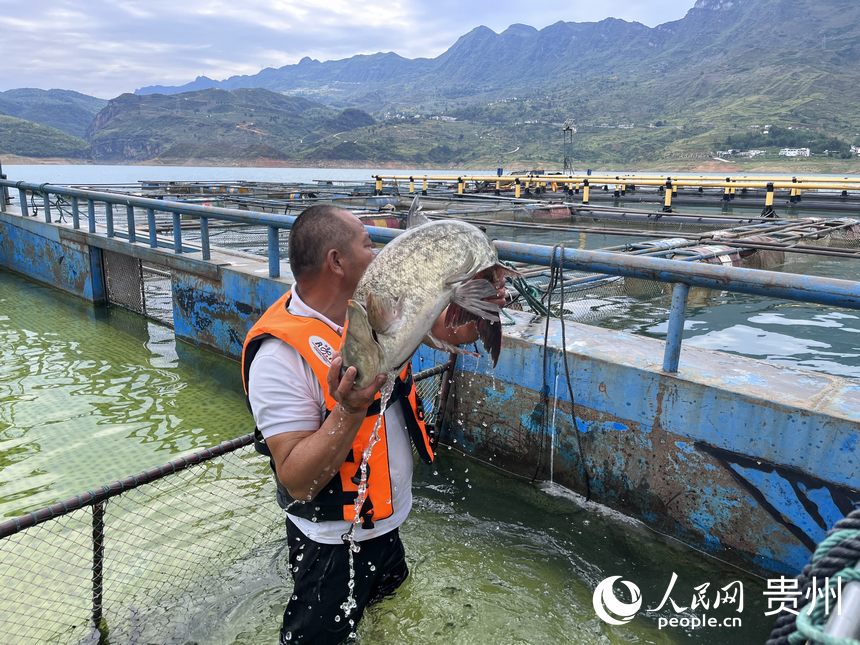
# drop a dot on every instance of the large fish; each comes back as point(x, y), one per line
point(429, 267)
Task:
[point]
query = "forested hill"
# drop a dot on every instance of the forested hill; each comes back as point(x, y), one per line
point(731, 73)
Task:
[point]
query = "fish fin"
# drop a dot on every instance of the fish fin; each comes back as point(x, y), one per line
point(469, 297)
point(359, 335)
point(490, 333)
point(431, 340)
point(413, 217)
point(383, 313)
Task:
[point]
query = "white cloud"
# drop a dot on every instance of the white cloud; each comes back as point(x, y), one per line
point(106, 47)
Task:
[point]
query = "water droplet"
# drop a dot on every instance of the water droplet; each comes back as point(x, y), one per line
point(288, 636)
point(373, 567)
point(337, 619)
point(299, 558)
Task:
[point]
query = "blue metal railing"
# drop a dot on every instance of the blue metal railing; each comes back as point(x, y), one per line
point(683, 275)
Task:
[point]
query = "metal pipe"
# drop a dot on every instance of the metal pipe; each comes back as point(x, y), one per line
point(826, 291)
point(22, 200)
point(109, 219)
point(274, 253)
point(204, 237)
point(76, 214)
point(91, 216)
point(46, 205)
point(150, 223)
point(177, 233)
point(98, 560)
point(675, 333)
point(132, 234)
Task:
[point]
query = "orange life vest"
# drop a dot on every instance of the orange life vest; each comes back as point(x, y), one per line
point(315, 341)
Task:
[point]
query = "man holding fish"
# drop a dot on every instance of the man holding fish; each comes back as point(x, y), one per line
point(315, 396)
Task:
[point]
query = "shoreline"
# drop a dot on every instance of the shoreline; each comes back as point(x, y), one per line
point(793, 165)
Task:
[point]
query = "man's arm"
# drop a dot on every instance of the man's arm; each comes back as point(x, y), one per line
point(306, 461)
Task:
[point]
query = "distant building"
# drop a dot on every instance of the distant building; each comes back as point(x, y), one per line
point(794, 152)
point(855, 150)
point(750, 153)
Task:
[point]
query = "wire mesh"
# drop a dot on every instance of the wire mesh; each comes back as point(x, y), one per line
point(169, 547)
point(167, 544)
point(124, 280)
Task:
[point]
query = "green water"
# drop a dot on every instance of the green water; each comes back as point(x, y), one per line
point(90, 395)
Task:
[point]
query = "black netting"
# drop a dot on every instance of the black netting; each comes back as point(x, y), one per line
point(167, 544)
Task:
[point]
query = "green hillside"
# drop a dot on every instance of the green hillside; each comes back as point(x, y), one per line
point(245, 125)
point(27, 139)
point(64, 110)
point(737, 74)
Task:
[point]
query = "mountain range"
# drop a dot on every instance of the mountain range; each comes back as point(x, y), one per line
point(632, 92)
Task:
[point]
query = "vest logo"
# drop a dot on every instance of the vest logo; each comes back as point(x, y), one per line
point(322, 349)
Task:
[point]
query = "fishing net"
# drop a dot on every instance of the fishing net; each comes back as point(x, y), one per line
point(160, 548)
point(155, 561)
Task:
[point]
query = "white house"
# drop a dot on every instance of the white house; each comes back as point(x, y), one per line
point(794, 152)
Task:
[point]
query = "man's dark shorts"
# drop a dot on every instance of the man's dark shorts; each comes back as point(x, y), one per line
point(321, 576)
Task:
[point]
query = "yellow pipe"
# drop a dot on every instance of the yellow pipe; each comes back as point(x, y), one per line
point(378, 184)
point(768, 198)
point(586, 189)
point(820, 183)
point(425, 185)
point(517, 189)
point(411, 185)
point(461, 185)
point(667, 199)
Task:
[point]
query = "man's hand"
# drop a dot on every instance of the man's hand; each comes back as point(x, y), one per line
point(350, 400)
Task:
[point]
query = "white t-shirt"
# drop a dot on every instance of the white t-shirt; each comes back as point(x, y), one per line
point(286, 396)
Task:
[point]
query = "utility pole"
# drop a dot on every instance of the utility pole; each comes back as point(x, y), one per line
point(568, 131)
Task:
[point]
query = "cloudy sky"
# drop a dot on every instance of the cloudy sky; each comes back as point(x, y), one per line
point(107, 47)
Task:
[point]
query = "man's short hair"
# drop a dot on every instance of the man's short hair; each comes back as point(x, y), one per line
point(315, 232)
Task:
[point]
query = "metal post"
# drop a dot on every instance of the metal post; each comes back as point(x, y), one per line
point(4, 193)
point(98, 560)
point(667, 199)
point(461, 185)
point(378, 185)
point(768, 211)
point(46, 200)
point(22, 198)
point(91, 216)
point(177, 233)
point(517, 188)
point(586, 189)
point(274, 253)
point(676, 328)
point(150, 223)
point(204, 237)
point(76, 214)
point(132, 234)
point(424, 189)
point(411, 185)
point(109, 218)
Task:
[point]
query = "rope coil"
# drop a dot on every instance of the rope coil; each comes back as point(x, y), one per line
point(835, 558)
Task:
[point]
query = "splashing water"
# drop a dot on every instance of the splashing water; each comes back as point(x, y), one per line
point(384, 395)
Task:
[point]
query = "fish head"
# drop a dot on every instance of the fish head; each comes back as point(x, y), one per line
point(360, 349)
